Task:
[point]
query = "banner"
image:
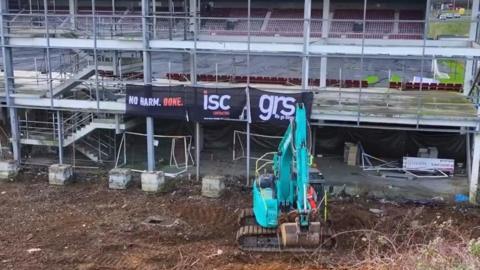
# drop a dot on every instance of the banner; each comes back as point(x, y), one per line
point(168, 102)
point(207, 104)
point(220, 104)
point(277, 108)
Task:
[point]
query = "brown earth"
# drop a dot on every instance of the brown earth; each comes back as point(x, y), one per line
point(87, 226)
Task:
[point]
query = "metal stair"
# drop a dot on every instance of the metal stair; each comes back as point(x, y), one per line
point(72, 82)
point(75, 128)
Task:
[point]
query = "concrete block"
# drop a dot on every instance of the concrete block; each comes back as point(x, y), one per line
point(152, 181)
point(8, 169)
point(119, 178)
point(60, 174)
point(213, 186)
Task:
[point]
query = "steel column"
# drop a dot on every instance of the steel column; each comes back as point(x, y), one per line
point(47, 50)
point(72, 8)
point(8, 77)
point(247, 174)
point(469, 154)
point(474, 20)
point(307, 16)
point(147, 79)
point(60, 136)
point(468, 76)
point(197, 150)
point(326, 18)
point(475, 168)
point(323, 71)
point(192, 9)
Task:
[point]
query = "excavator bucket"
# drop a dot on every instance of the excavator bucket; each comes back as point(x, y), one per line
point(293, 236)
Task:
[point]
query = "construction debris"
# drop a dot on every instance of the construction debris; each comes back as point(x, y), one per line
point(411, 167)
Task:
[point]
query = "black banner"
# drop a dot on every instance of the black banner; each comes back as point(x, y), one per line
point(169, 102)
point(277, 108)
point(207, 104)
point(220, 104)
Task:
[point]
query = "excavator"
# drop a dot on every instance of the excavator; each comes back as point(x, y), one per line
point(289, 203)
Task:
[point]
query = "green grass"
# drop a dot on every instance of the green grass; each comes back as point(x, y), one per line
point(459, 28)
point(456, 73)
point(395, 78)
point(371, 79)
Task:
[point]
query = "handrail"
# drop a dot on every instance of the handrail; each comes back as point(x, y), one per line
point(263, 158)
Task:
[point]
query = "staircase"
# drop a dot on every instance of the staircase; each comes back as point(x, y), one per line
point(78, 128)
point(77, 79)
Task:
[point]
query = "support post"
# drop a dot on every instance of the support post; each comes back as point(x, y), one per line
point(72, 8)
point(249, 120)
point(325, 29)
point(475, 168)
point(469, 63)
point(469, 154)
point(474, 20)
point(147, 79)
point(468, 77)
point(192, 10)
point(323, 72)
point(326, 18)
point(9, 84)
point(60, 136)
point(197, 149)
point(306, 41)
point(115, 63)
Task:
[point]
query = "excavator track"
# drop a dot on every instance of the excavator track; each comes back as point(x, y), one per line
point(257, 238)
point(252, 237)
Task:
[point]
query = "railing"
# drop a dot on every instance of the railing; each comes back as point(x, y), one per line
point(48, 130)
point(181, 26)
point(264, 161)
point(76, 121)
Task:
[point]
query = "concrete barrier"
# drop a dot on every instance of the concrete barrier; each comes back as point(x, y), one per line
point(152, 181)
point(8, 169)
point(119, 178)
point(60, 174)
point(213, 186)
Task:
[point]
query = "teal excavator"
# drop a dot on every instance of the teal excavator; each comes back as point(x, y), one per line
point(289, 203)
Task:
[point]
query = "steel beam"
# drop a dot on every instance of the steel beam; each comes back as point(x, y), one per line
point(381, 49)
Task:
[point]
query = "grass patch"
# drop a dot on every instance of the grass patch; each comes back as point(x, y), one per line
point(371, 79)
point(458, 28)
point(456, 71)
point(395, 78)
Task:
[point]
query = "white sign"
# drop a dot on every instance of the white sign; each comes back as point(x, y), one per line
point(416, 163)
